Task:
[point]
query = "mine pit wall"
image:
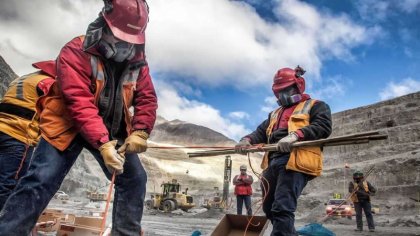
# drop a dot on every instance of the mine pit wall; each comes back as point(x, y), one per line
point(396, 160)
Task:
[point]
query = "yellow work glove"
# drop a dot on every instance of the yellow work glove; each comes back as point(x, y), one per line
point(135, 143)
point(113, 160)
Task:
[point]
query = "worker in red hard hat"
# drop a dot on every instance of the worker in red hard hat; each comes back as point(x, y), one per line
point(100, 76)
point(287, 170)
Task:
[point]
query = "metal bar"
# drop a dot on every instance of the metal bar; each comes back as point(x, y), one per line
point(343, 140)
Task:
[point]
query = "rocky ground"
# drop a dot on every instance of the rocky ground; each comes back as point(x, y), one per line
point(157, 223)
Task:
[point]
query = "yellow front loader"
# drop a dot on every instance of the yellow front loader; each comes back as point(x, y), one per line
point(170, 199)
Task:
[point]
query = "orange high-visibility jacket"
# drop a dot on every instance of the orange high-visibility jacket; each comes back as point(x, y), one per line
point(18, 117)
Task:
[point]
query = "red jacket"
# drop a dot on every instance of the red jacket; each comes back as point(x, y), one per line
point(243, 184)
point(71, 106)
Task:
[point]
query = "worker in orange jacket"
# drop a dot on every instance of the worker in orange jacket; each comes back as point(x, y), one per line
point(19, 131)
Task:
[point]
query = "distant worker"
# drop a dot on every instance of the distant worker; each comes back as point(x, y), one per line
point(287, 170)
point(243, 190)
point(361, 200)
point(103, 100)
point(19, 131)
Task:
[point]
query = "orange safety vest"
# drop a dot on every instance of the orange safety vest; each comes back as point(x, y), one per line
point(306, 160)
point(365, 186)
point(18, 117)
point(55, 123)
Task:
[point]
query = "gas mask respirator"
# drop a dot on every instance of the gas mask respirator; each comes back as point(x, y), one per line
point(115, 49)
point(289, 96)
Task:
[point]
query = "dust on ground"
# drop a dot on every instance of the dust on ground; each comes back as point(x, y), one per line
point(179, 223)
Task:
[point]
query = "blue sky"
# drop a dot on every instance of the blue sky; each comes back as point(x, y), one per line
point(213, 60)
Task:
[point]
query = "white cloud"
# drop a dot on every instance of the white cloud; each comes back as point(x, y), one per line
point(174, 106)
point(409, 6)
point(379, 11)
point(270, 103)
point(206, 42)
point(30, 35)
point(186, 89)
point(239, 115)
point(216, 42)
point(372, 10)
point(331, 87)
point(396, 89)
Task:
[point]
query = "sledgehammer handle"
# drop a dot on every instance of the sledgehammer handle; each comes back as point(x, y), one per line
point(108, 200)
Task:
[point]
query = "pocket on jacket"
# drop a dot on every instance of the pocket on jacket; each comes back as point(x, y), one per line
point(298, 121)
point(54, 119)
point(309, 159)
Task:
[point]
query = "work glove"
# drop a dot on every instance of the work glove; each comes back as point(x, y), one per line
point(241, 147)
point(285, 144)
point(113, 160)
point(135, 143)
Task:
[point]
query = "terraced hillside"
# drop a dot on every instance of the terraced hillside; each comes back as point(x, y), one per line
point(396, 161)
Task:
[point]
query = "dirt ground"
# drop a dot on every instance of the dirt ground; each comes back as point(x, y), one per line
point(156, 223)
point(161, 224)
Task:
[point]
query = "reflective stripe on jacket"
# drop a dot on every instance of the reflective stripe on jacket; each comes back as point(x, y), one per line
point(306, 160)
point(18, 117)
point(71, 105)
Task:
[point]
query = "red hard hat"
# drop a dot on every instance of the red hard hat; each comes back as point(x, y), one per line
point(127, 19)
point(286, 77)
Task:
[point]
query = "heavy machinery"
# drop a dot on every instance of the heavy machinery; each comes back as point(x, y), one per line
point(95, 196)
point(170, 199)
point(221, 202)
point(216, 202)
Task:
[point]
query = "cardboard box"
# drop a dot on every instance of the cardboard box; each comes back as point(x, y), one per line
point(235, 225)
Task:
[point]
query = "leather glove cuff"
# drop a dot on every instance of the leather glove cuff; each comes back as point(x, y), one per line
point(109, 144)
point(141, 134)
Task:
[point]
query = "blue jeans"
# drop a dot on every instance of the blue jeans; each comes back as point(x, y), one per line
point(367, 208)
point(14, 161)
point(281, 198)
point(46, 172)
point(240, 199)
